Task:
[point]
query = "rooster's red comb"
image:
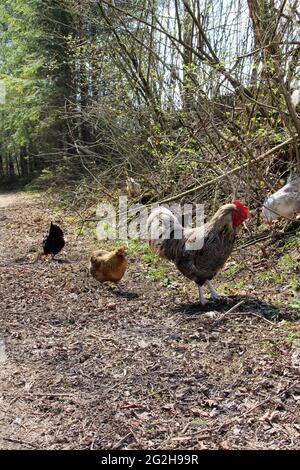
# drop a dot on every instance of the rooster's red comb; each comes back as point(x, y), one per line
point(243, 208)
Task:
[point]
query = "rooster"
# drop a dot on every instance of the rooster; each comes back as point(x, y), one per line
point(108, 265)
point(54, 242)
point(217, 238)
point(285, 202)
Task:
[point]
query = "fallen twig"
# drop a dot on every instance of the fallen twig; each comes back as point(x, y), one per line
point(186, 438)
point(270, 397)
point(231, 311)
point(36, 394)
point(122, 440)
point(234, 307)
point(18, 441)
point(250, 313)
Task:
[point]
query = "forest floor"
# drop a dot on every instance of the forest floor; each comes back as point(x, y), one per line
point(88, 366)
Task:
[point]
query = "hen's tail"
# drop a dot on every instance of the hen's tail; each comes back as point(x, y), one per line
point(165, 232)
point(55, 230)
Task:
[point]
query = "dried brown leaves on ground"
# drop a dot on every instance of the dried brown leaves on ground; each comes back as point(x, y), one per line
point(88, 366)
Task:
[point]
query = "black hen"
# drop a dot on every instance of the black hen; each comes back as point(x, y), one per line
point(54, 242)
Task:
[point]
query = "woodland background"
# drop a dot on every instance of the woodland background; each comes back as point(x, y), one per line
point(174, 93)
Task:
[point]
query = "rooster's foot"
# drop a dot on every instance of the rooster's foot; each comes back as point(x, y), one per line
point(213, 291)
point(216, 297)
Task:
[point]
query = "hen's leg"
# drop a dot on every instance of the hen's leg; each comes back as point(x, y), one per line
point(213, 291)
point(203, 301)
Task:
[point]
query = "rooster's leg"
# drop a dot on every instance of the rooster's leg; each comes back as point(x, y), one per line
point(213, 291)
point(203, 301)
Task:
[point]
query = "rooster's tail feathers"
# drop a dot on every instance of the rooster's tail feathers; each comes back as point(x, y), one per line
point(162, 225)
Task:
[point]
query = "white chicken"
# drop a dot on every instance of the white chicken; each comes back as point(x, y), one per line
point(285, 202)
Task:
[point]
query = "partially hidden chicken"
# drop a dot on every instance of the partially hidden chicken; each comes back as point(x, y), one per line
point(216, 239)
point(133, 188)
point(54, 242)
point(108, 265)
point(285, 202)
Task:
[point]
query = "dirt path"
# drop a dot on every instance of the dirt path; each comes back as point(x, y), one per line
point(8, 199)
point(87, 367)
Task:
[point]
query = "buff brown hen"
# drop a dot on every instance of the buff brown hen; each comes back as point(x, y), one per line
point(108, 265)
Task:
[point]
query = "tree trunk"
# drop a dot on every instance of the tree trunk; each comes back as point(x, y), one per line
point(23, 162)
